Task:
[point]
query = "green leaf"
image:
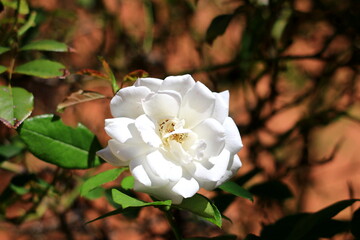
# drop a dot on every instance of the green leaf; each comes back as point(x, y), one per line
point(95, 193)
point(126, 201)
point(2, 69)
point(134, 75)
point(46, 45)
point(272, 189)
point(109, 214)
point(218, 27)
point(281, 22)
point(30, 22)
point(110, 74)
point(128, 182)
point(87, 3)
point(24, 7)
point(312, 221)
point(9, 151)
point(16, 105)
point(4, 50)
point(52, 141)
point(21, 190)
point(237, 190)
point(203, 207)
point(223, 237)
point(41, 68)
point(99, 179)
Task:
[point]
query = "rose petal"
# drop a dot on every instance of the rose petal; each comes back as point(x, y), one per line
point(186, 187)
point(122, 129)
point(140, 174)
point(162, 105)
point(107, 155)
point(197, 105)
point(147, 130)
point(162, 167)
point(221, 109)
point(213, 174)
point(180, 84)
point(213, 134)
point(127, 152)
point(143, 173)
point(152, 83)
point(233, 167)
point(232, 136)
point(161, 193)
point(127, 102)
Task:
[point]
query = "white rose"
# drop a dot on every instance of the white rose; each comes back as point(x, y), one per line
point(175, 134)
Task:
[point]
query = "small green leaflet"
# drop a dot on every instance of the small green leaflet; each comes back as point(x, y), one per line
point(203, 207)
point(2, 69)
point(126, 201)
point(99, 179)
point(128, 182)
point(24, 7)
point(110, 75)
point(109, 214)
point(16, 105)
point(46, 45)
point(237, 190)
point(42, 68)
point(4, 50)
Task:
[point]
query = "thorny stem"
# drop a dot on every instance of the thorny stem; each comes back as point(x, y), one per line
point(173, 225)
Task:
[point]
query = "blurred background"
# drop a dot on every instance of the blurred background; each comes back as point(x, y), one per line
point(292, 68)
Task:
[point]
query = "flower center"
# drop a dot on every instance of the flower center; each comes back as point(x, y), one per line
point(172, 130)
point(179, 142)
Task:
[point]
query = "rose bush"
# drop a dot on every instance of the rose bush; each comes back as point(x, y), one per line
point(174, 134)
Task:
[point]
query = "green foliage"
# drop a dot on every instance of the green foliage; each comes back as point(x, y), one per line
point(2, 69)
point(128, 182)
point(109, 74)
point(16, 105)
point(21, 184)
point(23, 6)
point(52, 141)
point(10, 150)
point(126, 201)
point(46, 45)
point(4, 50)
point(109, 214)
point(236, 189)
point(99, 179)
point(202, 207)
point(41, 68)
